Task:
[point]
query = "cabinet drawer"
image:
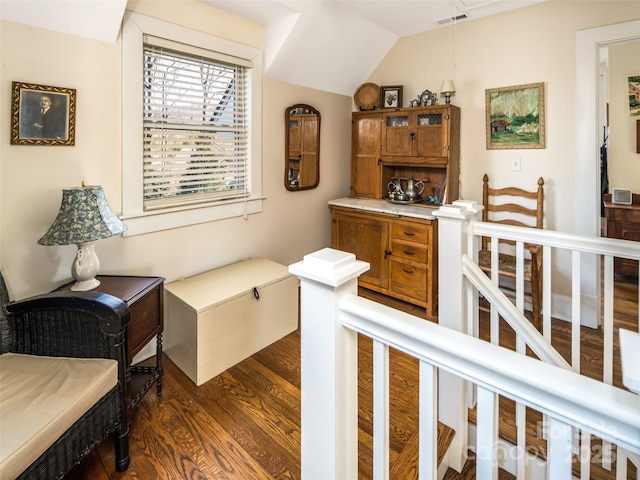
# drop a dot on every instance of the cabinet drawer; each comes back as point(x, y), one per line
point(416, 252)
point(627, 215)
point(409, 280)
point(629, 231)
point(413, 232)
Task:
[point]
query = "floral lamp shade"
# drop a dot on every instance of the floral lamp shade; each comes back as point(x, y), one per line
point(84, 217)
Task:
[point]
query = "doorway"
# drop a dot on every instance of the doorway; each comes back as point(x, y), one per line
point(587, 177)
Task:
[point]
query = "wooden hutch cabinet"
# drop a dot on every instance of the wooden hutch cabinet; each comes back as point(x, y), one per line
point(421, 142)
point(398, 241)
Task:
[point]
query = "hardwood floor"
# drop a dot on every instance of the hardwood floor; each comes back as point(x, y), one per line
point(245, 423)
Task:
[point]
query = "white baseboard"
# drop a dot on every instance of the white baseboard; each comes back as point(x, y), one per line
point(589, 311)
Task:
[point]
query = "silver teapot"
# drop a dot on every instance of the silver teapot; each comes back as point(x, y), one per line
point(414, 189)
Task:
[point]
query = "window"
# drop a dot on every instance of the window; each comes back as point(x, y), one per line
point(191, 127)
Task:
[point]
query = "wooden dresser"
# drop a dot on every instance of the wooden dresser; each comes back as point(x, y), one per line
point(623, 221)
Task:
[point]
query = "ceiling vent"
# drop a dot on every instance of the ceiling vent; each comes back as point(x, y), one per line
point(444, 21)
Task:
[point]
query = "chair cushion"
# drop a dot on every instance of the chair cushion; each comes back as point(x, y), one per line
point(40, 398)
point(506, 264)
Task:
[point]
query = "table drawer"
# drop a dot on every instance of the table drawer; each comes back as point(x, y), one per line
point(413, 251)
point(414, 232)
point(409, 280)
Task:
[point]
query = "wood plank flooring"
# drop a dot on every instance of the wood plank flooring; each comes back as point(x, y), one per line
point(245, 423)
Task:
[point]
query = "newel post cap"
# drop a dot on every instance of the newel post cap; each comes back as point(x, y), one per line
point(329, 267)
point(454, 212)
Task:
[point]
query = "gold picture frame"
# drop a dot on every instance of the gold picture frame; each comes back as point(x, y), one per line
point(42, 115)
point(515, 117)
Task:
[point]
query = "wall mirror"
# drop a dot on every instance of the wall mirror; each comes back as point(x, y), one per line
point(302, 147)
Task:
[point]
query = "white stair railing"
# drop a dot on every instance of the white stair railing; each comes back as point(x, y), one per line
point(462, 220)
point(331, 316)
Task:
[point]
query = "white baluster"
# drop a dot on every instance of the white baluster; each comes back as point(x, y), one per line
point(559, 450)
point(428, 440)
point(380, 411)
point(487, 435)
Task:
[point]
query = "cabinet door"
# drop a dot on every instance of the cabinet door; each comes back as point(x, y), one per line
point(432, 129)
point(398, 135)
point(366, 172)
point(368, 239)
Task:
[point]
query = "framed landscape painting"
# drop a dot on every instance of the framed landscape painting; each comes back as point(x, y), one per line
point(515, 117)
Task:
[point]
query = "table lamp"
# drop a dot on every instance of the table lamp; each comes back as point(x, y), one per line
point(84, 217)
point(447, 89)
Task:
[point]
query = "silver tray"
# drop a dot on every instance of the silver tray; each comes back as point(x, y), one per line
point(403, 202)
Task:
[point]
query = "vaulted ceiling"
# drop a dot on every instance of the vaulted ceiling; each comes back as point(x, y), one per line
point(330, 45)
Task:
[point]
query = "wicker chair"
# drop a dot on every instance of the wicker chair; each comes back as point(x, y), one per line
point(80, 325)
point(515, 206)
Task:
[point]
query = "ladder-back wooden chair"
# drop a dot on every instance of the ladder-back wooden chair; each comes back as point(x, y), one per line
point(515, 206)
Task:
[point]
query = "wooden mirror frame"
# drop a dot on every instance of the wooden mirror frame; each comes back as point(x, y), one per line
point(302, 151)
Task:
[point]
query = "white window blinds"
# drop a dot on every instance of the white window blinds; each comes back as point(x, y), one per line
point(195, 125)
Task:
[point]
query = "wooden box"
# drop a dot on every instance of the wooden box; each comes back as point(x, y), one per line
point(218, 318)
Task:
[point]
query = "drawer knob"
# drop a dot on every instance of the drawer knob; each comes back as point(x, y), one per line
point(407, 252)
point(410, 234)
point(405, 270)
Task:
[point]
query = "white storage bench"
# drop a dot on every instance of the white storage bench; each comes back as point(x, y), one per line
point(218, 318)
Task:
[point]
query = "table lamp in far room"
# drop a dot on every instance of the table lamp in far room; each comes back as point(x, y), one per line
point(84, 218)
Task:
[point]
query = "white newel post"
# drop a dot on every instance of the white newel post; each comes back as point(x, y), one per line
point(329, 366)
point(453, 223)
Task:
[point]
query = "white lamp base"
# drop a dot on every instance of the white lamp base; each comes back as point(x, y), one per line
point(85, 267)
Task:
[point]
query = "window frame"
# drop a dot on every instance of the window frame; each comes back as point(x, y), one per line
point(139, 221)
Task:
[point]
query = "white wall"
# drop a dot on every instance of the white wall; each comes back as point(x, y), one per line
point(32, 177)
point(624, 162)
point(528, 45)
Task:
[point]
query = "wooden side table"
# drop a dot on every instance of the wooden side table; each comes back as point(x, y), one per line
point(145, 299)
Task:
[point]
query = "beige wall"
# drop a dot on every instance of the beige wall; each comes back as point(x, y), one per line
point(624, 162)
point(291, 225)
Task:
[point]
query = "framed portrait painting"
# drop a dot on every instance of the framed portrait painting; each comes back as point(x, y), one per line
point(391, 96)
point(515, 117)
point(42, 115)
